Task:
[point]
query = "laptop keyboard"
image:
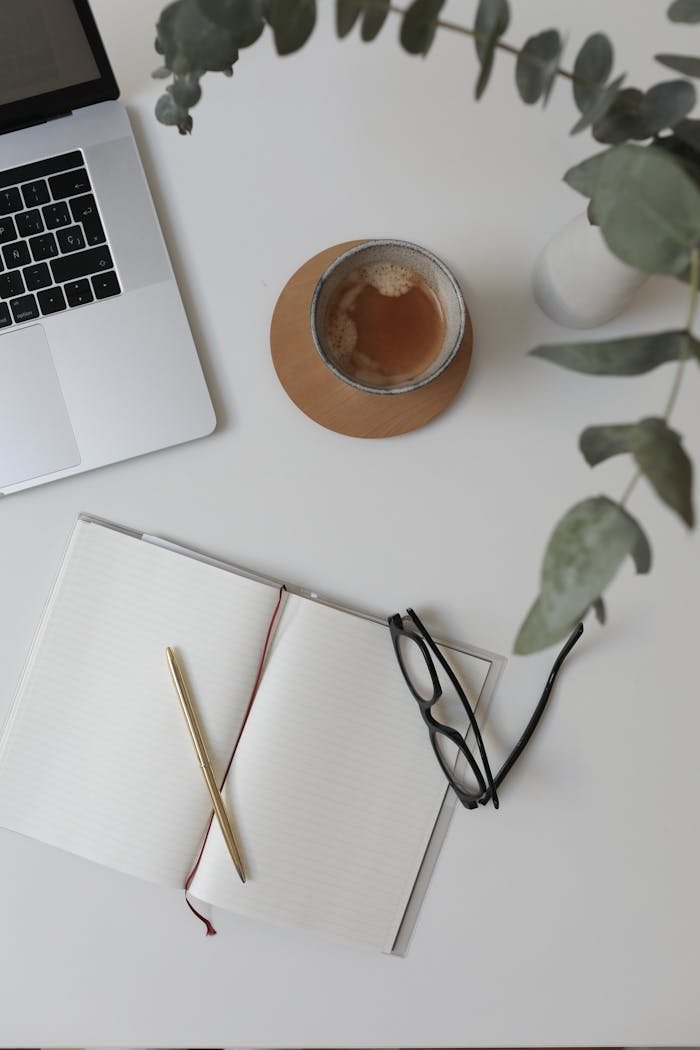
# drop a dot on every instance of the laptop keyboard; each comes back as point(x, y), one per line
point(53, 249)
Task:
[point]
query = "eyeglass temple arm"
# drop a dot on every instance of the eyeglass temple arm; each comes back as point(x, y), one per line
point(537, 713)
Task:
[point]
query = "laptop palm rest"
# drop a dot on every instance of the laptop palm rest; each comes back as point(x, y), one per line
point(36, 436)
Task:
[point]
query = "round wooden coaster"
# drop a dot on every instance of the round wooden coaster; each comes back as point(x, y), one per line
point(328, 400)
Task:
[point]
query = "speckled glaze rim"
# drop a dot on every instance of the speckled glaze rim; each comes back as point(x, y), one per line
point(359, 249)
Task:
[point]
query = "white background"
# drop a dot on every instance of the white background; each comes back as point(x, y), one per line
point(569, 916)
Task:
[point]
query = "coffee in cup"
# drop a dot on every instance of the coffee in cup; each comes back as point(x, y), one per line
point(387, 317)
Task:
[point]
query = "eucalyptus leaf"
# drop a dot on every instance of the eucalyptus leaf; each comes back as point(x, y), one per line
point(492, 19)
point(599, 106)
point(244, 18)
point(191, 42)
point(162, 73)
point(665, 104)
point(536, 65)
point(688, 157)
point(592, 68)
point(292, 23)
point(346, 14)
point(186, 91)
point(584, 553)
point(624, 119)
point(374, 18)
point(584, 176)
point(689, 132)
point(419, 25)
point(631, 356)
point(657, 451)
point(688, 65)
point(598, 607)
point(648, 209)
point(684, 11)
point(168, 112)
point(601, 442)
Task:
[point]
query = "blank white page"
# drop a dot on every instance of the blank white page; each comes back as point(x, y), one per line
point(96, 757)
point(334, 788)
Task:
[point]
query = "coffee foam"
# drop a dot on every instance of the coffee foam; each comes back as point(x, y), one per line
point(389, 279)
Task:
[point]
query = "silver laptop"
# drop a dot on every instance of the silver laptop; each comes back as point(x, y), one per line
point(97, 363)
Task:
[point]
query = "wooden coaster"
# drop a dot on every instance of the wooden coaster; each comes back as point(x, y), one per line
point(328, 400)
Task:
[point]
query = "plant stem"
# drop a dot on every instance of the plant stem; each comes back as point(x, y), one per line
point(683, 357)
point(692, 307)
point(443, 23)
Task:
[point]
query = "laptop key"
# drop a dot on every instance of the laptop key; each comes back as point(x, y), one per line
point(56, 215)
point(105, 284)
point(5, 315)
point(29, 223)
point(10, 201)
point(51, 300)
point(69, 183)
point(70, 240)
point(8, 230)
point(11, 284)
point(43, 247)
point(81, 264)
point(37, 276)
point(78, 293)
point(24, 309)
point(36, 193)
point(84, 209)
point(16, 254)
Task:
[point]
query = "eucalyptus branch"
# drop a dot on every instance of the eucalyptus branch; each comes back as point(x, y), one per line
point(501, 45)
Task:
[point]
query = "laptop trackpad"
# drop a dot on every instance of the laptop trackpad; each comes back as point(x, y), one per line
point(36, 437)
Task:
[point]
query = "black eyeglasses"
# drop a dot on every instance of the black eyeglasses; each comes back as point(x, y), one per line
point(448, 743)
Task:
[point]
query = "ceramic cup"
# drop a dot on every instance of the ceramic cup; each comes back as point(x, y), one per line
point(430, 269)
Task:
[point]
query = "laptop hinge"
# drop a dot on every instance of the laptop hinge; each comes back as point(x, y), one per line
point(21, 125)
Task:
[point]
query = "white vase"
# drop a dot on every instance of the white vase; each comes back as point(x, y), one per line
point(577, 280)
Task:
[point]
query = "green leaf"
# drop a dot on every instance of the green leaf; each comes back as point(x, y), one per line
point(688, 65)
point(584, 176)
point(419, 25)
point(658, 453)
point(191, 43)
point(186, 91)
point(162, 73)
point(374, 18)
point(648, 209)
point(292, 22)
point(492, 19)
point(168, 112)
point(244, 18)
point(634, 115)
point(602, 442)
point(630, 356)
point(598, 607)
point(684, 11)
point(346, 14)
point(599, 106)
point(537, 64)
point(624, 120)
point(592, 68)
point(584, 553)
point(665, 104)
point(689, 132)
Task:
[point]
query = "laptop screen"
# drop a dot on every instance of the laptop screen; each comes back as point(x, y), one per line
point(51, 60)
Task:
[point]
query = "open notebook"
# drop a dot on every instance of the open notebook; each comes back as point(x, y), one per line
point(338, 803)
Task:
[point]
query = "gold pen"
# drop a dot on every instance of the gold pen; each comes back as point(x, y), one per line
point(204, 760)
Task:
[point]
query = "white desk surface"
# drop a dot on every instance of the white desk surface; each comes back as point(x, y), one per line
point(572, 916)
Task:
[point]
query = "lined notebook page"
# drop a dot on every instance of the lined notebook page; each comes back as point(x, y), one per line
point(334, 787)
point(96, 758)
